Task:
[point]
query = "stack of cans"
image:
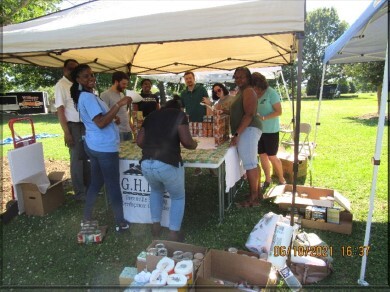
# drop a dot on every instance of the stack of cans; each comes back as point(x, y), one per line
point(90, 233)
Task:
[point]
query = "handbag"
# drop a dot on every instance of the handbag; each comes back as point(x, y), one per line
point(311, 273)
point(308, 274)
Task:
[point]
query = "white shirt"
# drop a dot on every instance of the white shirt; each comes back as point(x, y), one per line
point(63, 98)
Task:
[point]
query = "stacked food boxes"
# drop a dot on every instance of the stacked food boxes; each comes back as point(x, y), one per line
point(216, 126)
point(138, 119)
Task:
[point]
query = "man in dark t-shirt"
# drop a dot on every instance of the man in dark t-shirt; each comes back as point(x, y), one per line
point(160, 137)
point(150, 102)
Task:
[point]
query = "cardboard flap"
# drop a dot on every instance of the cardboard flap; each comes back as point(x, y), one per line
point(56, 175)
point(274, 191)
point(40, 179)
point(343, 201)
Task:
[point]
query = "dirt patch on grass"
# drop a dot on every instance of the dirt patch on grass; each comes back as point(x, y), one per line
point(6, 182)
point(371, 116)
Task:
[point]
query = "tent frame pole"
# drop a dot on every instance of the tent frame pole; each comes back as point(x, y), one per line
point(300, 37)
point(376, 162)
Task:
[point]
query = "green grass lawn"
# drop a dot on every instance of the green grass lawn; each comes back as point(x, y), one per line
point(43, 251)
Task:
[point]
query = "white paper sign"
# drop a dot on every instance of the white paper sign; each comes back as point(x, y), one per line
point(134, 95)
point(136, 194)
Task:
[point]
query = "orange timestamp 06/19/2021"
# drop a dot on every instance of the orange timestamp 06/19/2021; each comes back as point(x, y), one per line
point(320, 250)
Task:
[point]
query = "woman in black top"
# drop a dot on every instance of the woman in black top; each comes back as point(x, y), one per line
point(162, 165)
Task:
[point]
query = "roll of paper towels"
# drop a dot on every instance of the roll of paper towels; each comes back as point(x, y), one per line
point(280, 242)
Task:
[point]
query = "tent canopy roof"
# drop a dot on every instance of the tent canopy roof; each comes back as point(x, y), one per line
point(155, 37)
point(364, 40)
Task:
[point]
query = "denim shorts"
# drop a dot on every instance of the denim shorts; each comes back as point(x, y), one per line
point(247, 147)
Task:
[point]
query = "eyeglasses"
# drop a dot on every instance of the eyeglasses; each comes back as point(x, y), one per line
point(218, 90)
point(87, 76)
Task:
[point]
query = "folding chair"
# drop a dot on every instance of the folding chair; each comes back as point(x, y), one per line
point(305, 146)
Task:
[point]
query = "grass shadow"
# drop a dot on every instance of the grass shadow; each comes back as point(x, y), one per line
point(370, 120)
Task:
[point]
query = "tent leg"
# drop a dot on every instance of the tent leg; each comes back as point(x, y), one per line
point(377, 155)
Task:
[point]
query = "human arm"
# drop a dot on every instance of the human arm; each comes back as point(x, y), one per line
point(102, 120)
point(64, 125)
point(185, 137)
point(277, 111)
point(141, 137)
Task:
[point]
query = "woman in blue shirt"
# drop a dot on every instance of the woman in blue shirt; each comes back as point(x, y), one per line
point(101, 142)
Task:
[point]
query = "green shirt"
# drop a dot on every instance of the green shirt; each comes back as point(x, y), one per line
point(264, 107)
point(237, 113)
point(191, 102)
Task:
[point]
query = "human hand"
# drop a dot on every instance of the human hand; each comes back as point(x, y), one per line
point(117, 120)
point(234, 141)
point(206, 100)
point(68, 140)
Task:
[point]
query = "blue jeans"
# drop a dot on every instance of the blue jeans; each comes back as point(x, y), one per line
point(104, 170)
point(165, 177)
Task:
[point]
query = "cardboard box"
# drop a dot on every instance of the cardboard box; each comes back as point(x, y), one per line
point(313, 199)
point(287, 160)
point(345, 225)
point(171, 246)
point(232, 268)
point(36, 203)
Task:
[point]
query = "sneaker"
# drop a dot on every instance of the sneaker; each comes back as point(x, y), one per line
point(197, 172)
point(122, 227)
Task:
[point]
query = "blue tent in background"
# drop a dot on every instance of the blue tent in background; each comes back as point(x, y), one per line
point(365, 41)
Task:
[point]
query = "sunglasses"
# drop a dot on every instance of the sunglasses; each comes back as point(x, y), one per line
point(218, 90)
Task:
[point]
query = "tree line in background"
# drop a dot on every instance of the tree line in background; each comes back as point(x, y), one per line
point(351, 78)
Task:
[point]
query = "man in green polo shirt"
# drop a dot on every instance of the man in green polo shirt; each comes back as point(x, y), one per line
point(192, 96)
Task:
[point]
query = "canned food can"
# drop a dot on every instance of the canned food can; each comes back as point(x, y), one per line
point(160, 245)
point(162, 251)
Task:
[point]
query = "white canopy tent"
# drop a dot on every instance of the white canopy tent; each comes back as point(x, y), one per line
point(156, 37)
point(365, 41)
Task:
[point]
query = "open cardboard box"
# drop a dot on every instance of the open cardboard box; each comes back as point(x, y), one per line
point(233, 268)
point(171, 246)
point(36, 203)
point(287, 160)
point(314, 199)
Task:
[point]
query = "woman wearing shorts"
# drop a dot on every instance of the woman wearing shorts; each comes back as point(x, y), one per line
point(268, 111)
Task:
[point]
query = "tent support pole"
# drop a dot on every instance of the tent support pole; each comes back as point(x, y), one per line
point(285, 86)
point(376, 162)
point(298, 120)
point(319, 106)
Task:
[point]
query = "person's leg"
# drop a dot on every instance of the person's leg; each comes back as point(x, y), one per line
point(277, 166)
point(95, 184)
point(109, 164)
point(174, 183)
point(76, 165)
point(247, 150)
point(265, 165)
point(149, 170)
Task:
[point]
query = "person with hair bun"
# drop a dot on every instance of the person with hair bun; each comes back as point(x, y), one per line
point(268, 111)
point(101, 142)
point(160, 137)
